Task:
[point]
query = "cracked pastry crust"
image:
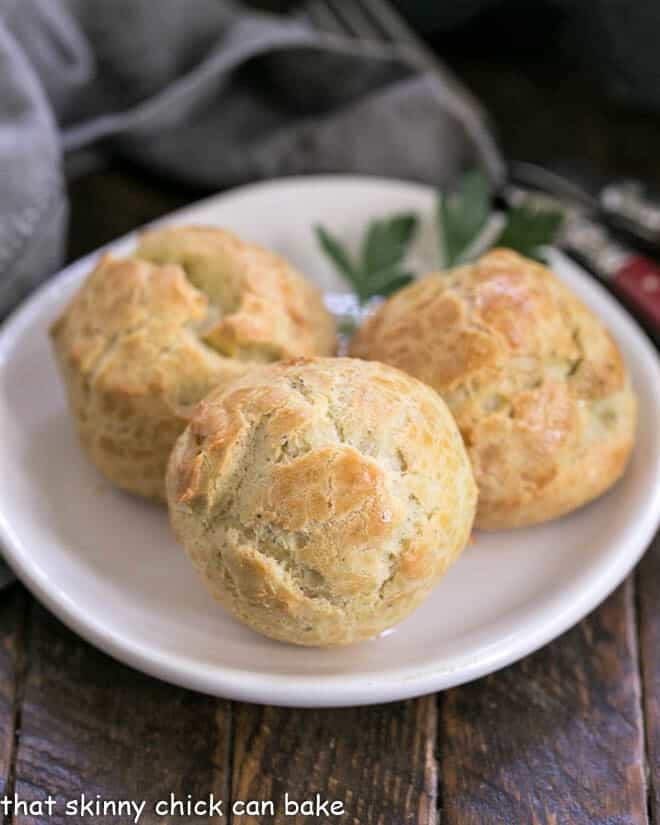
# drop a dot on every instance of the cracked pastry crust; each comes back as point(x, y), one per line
point(321, 500)
point(536, 383)
point(146, 337)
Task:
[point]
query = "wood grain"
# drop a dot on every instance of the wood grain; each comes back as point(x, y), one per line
point(89, 724)
point(648, 588)
point(378, 761)
point(556, 739)
point(13, 606)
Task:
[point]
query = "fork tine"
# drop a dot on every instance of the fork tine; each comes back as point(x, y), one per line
point(391, 23)
point(323, 18)
point(376, 21)
point(369, 21)
point(357, 22)
point(395, 29)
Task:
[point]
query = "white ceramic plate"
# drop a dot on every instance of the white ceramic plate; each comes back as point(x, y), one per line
point(108, 565)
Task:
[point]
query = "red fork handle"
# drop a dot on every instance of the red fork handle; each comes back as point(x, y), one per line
point(638, 283)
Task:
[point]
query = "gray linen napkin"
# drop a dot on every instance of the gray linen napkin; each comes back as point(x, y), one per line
point(207, 92)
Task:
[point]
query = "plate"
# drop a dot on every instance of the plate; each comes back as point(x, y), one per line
point(108, 566)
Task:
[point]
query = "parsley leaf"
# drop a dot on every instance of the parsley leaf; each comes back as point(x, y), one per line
point(379, 270)
point(336, 252)
point(462, 215)
point(527, 228)
point(386, 241)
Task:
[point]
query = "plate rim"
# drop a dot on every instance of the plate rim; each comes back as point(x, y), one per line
point(341, 689)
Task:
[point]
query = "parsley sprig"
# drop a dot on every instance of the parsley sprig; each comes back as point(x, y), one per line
point(462, 216)
point(379, 269)
point(528, 228)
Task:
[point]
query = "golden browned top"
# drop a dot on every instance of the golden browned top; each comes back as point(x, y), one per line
point(259, 307)
point(146, 337)
point(333, 487)
point(535, 381)
point(185, 311)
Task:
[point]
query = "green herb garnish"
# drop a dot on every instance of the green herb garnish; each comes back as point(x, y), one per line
point(527, 228)
point(462, 215)
point(379, 270)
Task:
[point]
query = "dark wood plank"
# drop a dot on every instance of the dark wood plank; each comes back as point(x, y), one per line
point(378, 761)
point(119, 198)
point(90, 725)
point(648, 588)
point(555, 739)
point(13, 605)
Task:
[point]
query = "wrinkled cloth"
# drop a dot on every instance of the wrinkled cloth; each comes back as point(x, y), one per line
point(207, 92)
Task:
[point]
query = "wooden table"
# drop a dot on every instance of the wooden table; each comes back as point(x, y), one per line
point(569, 735)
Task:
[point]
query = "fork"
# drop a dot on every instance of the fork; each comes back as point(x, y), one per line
point(634, 277)
point(376, 22)
point(622, 204)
